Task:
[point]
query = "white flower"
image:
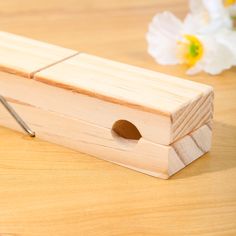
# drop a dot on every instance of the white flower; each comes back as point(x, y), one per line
point(211, 15)
point(230, 5)
point(172, 42)
point(214, 13)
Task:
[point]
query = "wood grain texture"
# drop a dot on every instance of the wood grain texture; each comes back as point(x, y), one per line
point(123, 84)
point(50, 190)
point(79, 106)
point(77, 84)
point(187, 103)
point(141, 155)
point(23, 56)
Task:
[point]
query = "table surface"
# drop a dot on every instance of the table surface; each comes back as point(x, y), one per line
point(46, 189)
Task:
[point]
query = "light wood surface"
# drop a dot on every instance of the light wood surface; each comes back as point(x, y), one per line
point(24, 56)
point(181, 105)
point(49, 190)
point(160, 125)
point(175, 105)
point(142, 155)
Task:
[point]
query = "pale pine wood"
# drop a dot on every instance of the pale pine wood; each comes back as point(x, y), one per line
point(171, 99)
point(47, 189)
point(142, 155)
point(81, 107)
point(24, 56)
point(92, 84)
point(186, 103)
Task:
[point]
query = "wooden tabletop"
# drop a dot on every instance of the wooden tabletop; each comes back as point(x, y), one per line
point(46, 189)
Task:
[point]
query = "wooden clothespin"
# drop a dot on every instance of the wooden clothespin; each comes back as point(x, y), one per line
point(147, 121)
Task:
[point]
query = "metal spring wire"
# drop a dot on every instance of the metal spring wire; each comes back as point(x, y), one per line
point(17, 118)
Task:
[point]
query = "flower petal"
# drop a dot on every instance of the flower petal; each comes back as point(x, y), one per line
point(196, 6)
point(193, 24)
point(228, 38)
point(210, 15)
point(164, 31)
point(167, 24)
point(215, 8)
point(232, 10)
point(217, 57)
point(195, 69)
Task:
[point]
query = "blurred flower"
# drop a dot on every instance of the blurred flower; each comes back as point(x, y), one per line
point(214, 13)
point(171, 41)
point(230, 5)
point(210, 15)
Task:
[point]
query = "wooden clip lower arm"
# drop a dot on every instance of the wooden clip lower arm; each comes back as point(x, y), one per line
point(144, 120)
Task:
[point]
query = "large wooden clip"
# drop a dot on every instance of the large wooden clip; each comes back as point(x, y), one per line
point(147, 121)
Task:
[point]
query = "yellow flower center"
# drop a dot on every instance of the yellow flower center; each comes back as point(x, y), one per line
point(190, 50)
point(228, 3)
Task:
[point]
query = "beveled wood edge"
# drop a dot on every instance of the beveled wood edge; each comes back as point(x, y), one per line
point(33, 75)
point(100, 96)
point(120, 101)
point(14, 71)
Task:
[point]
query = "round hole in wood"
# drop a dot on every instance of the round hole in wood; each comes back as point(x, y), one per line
point(126, 129)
